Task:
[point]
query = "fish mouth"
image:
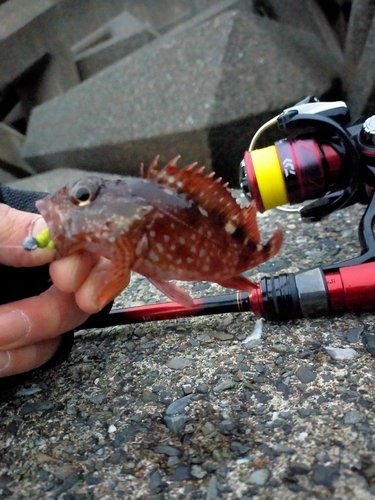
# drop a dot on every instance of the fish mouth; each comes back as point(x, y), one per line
point(54, 219)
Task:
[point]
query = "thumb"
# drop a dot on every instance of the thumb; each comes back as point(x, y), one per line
point(14, 227)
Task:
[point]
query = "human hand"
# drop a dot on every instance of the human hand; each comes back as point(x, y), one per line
point(31, 328)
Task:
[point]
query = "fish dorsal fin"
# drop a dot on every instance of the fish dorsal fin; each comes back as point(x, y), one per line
point(212, 196)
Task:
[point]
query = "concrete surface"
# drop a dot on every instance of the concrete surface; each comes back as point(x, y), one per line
point(184, 410)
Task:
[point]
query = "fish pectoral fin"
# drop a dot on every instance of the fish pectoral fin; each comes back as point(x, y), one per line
point(114, 284)
point(116, 272)
point(238, 282)
point(173, 292)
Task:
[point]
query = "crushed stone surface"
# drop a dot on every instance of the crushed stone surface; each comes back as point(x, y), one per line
point(184, 409)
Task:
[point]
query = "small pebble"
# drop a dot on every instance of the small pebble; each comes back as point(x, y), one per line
point(203, 338)
point(36, 406)
point(189, 429)
point(259, 477)
point(203, 389)
point(253, 343)
point(323, 457)
point(212, 492)
point(165, 449)
point(227, 321)
point(305, 412)
point(281, 348)
point(198, 472)
point(305, 375)
point(68, 483)
point(173, 461)
point(369, 342)
point(283, 448)
point(175, 423)
point(226, 427)
point(178, 363)
point(71, 410)
point(30, 391)
point(181, 473)
point(149, 396)
point(369, 472)
point(155, 479)
point(300, 468)
point(353, 335)
point(64, 471)
point(97, 399)
point(179, 405)
point(222, 336)
point(282, 387)
point(352, 417)
point(341, 353)
point(208, 429)
point(224, 386)
point(325, 475)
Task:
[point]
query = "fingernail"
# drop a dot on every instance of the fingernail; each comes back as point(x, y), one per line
point(38, 226)
point(14, 327)
point(4, 360)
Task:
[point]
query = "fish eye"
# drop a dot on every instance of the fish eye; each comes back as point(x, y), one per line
point(82, 196)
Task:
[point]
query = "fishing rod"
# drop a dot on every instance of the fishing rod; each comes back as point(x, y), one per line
point(328, 160)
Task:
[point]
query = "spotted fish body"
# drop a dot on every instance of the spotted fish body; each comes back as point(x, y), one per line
point(169, 225)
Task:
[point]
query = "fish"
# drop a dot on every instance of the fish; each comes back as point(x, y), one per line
point(168, 224)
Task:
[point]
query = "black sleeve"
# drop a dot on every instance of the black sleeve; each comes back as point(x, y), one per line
point(21, 200)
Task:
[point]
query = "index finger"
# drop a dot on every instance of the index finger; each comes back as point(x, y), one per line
point(32, 320)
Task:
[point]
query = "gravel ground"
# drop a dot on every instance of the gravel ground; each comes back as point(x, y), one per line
point(184, 409)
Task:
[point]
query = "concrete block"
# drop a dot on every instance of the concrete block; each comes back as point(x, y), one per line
point(48, 182)
point(125, 34)
point(200, 94)
point(164, 14)
point(204, 15)
point(57, 74)
point(29, 30)
point(11, 143)
point(20, 48)
point(110, 43)
point(6, 177)
point(34, 59)
point(123, 24)
point(361, 15)
point(364, 80)
point(15, 115)
point(307, 15)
